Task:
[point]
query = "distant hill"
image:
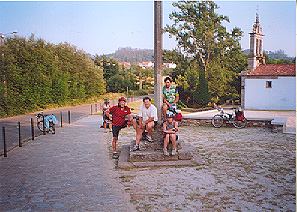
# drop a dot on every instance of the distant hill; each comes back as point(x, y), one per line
point(277, 55)
point(128, 54)
point(131, 55)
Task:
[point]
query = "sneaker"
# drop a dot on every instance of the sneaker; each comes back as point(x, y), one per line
point(136, 147)
point(165, 152)
point(173, 152)
point(115, 155)
point(149, 138)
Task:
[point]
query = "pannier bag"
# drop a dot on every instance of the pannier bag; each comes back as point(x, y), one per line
point(178, 115)
point(239, 115)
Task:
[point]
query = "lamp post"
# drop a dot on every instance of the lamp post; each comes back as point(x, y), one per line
point(3, 35)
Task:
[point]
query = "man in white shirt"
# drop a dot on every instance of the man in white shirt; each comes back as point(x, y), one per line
point(147, 119)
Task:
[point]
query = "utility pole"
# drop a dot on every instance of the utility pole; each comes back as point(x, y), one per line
point(2, 38)
point(158, 93)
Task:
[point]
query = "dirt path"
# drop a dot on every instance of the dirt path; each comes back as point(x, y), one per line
point(250, 169)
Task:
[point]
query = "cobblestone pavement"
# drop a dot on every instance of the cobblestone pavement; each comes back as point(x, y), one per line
point(68, 171)
point(247, 169)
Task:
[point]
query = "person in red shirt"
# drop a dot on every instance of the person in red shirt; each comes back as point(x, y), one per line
point(119, 121)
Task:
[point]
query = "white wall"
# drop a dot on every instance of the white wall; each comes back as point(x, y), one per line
point(281, 96)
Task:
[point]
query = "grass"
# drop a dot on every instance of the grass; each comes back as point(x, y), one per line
point(135, 106)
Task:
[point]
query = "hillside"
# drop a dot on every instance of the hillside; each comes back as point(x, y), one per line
point(128, 54)
point(277, 55)
point(131, 55)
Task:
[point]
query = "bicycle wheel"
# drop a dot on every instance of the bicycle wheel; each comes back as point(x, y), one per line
point(217, 121)
point(240, 123)
point(40, 125)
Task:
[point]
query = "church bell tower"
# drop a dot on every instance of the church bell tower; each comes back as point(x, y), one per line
point(256, 56)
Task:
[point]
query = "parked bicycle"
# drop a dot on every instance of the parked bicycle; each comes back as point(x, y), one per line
point(49, 124)
point(177, 113)
point(236, 118)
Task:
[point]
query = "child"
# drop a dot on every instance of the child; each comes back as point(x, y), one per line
point(170, 127)
point(106, 119)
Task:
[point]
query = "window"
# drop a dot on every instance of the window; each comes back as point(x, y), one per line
point(268, 84)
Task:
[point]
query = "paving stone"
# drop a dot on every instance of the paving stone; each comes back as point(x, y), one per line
point(68, 171)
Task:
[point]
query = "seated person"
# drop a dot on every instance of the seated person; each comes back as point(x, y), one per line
point(170, 127)
point(170, 95)
point(147, 120)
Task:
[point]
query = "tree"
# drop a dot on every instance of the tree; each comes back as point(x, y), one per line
point(202, 38)
point(35, 74)
point(110, 66)
point(201, 95)
point(199, 31)
point(283, 58)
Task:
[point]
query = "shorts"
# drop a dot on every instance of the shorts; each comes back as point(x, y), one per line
point(176, 138)
point(155, 123)
point(105, 118)
point(116, 129)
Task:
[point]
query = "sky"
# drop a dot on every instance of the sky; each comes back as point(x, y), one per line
point(101, 27)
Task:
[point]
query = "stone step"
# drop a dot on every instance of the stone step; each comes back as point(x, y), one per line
point(124, 160)
point(163, 163)
point(154, 146)
point(141, 156)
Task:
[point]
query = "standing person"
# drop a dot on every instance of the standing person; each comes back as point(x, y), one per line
point(119, 114)
point(148, 118)
point(170, 127)
point(170, 95)
point(106, 118)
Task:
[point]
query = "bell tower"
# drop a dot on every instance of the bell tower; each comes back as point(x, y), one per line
point(256, 56)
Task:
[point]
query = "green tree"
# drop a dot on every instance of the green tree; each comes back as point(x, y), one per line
point(202, 37)
point(35, 74)
point(201, 95)
point(199, 31)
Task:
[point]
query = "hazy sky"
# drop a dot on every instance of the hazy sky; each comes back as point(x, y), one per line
point(101, 27)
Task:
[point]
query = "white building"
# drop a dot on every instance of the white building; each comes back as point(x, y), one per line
point(169, 65)
point(266, 87)
point(148, 64)
point(271, 87)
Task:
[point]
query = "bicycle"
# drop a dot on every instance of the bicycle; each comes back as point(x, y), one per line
point(51, 119)
point(237, 119)
point(177, 113)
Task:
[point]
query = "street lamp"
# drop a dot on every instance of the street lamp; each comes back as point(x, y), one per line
point(3, 35)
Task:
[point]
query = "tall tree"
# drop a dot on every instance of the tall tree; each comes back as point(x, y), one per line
point(202, 38)
point(201, 95)
point(199, 31)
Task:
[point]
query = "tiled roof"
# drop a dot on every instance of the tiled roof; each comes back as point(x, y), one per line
point(275, 70)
